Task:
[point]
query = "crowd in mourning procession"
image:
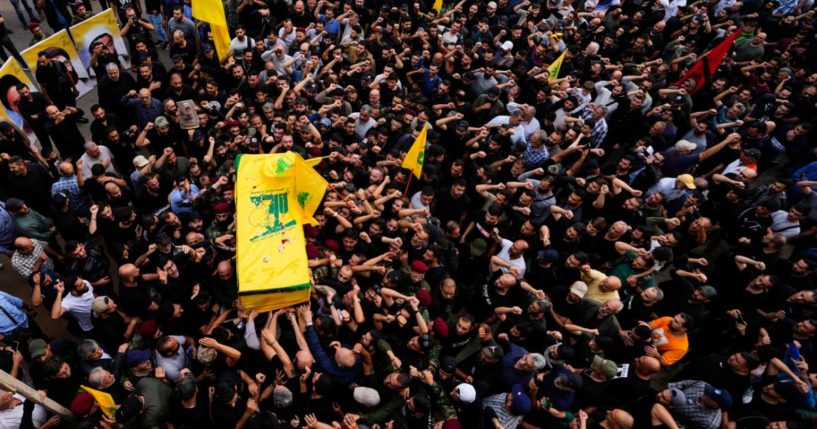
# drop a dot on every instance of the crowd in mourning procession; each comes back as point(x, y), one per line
point(613, 246)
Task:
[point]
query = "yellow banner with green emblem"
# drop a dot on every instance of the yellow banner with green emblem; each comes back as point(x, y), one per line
point(275, 195)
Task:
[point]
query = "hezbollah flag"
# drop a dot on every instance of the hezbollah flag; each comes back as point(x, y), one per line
point(553, 69)
point(417, 154)
point(212, 12)
point(704, 68)
point(275, 195)
point(438, 5)
point(103, 399)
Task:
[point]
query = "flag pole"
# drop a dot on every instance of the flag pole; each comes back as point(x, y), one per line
point(408, 183)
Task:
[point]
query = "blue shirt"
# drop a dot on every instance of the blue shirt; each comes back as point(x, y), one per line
point(338, 374)
point(181, 202)
point(12, 306)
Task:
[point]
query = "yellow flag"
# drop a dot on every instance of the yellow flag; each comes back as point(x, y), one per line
point(438, 5)
point(103, 399)
point(275, 195)
point(212, 12)
point(416, 155)
point(553, 69)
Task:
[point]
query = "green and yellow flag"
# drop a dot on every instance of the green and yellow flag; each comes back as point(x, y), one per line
point(275, 195)
point(212, 12)
point(417, 154)
point(103, 399)
point(553, 69)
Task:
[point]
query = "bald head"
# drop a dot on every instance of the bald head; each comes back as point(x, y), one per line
point(128, 272)
point(344, 357)
point(647, 365)
point(24, 244)
point(611, 283)
point(66, 169)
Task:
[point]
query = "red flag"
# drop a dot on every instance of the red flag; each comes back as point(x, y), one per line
point(703, 70)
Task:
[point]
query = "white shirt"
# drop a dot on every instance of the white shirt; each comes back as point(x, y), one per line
point(11, 418)
point(80, 307)
point(173, 364)
point(105, 157)
point(518, 131)
point(505, 254)
point(361, 128)
point(782, 224)
point(240, 45)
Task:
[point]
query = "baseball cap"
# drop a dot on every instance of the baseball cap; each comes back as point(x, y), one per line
point(520, 402)
point(59, 198)
point(140, 161)
point(135, 357)
point(605, 366)
point(129, 408)
point(571, 380)
point(685, 145)
point(366, 396)
point(478, 247)
point(448, 364)
point(466, 393)
point(547, 255)
point(720, 396)
point(14, 204)
point(709, 291)
point(160, 122)
point(100, 305)
point(677, 397)
point(493, 351)
point(754, 153)
point(687, 180)
point(579, 288)
point(36, 348)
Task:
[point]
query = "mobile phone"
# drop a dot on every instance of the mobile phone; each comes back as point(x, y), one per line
point(16, 345)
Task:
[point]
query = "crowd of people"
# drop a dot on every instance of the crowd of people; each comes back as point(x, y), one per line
point(615, 246)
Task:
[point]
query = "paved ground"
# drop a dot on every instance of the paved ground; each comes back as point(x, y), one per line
point(22, 36)
point(12, 283)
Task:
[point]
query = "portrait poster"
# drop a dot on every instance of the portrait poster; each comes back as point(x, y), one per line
point(11, 74)
point(60, 47)
point(102, 28)
point(188, 117)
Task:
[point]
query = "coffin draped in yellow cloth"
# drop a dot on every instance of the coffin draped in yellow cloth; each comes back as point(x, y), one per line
point(275, 195)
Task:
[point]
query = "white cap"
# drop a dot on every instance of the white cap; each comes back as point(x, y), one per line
point(507, 45)
point(466, 393)
point(492, 4)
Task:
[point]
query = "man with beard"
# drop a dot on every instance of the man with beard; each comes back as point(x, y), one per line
point(112, 87)
point(90, 265)
point(32, 106)
point(30, 182)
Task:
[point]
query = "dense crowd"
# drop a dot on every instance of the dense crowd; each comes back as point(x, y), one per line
point(611, 247)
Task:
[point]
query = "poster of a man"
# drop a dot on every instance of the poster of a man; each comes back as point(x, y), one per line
point(59, 47)
point(103, 30)
point(12, 75)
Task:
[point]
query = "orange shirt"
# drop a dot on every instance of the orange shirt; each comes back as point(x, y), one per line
point(671, 347)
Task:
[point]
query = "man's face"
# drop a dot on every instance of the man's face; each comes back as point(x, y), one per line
point(464, 326)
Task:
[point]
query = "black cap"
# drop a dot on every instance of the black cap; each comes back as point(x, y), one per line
point(129, 409)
